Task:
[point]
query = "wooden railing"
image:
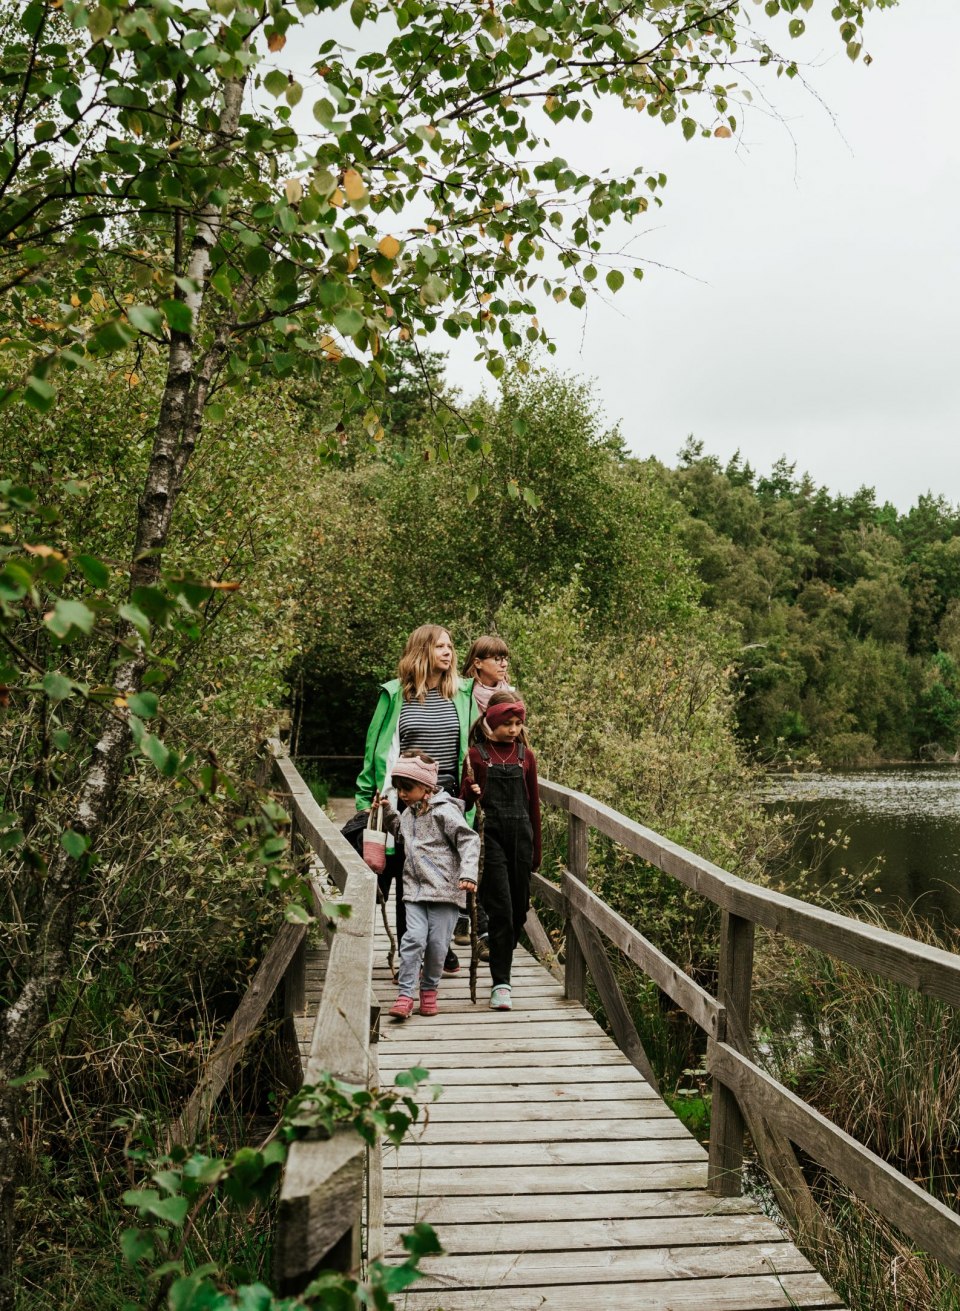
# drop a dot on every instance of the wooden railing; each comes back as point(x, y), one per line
point(745, 1097)
point(322, 1194)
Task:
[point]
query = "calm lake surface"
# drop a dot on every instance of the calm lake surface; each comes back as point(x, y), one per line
point(901, 824)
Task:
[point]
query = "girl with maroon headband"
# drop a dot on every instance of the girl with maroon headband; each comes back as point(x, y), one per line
point(504, 784)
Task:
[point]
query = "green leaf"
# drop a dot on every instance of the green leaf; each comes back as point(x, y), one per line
point(135, 616)
point(144, 704)
point(796, 27)
point(146, 319)
point(100, 22)
point(215, 412)
point(39, 394)
point(178, 315)
point(276, 82)
point(137, 1245)
point(95, 571)
point(68, 615)
point(155, 750)
point(358, 10)
point(56, 686)
point(349, 322)
point(297, 914)
point(74, 844)
point(689, 128)
point(614, 279)
point(32, 1076)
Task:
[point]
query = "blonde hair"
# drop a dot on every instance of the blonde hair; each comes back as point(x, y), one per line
point(415, 665)
point(484, 647)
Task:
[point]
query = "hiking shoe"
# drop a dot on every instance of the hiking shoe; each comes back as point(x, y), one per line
point(483, 948)
point(451, 965)
point(428, 1002)
point(402, 1008)
point(500, 998)
point(461, 934)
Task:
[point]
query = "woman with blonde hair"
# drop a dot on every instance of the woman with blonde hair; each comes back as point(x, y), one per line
point(426, 707)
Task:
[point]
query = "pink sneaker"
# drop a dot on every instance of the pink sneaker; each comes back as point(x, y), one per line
point(428, 1001)
point(402, 1008)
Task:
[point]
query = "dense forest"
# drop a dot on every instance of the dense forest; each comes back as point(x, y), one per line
point(847, 613)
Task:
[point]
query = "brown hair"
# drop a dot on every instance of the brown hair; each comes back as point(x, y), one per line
point(484, 647)
point(415, 666)
point(478, 734)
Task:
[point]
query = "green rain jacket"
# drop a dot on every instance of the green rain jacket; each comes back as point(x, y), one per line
point(383, 736)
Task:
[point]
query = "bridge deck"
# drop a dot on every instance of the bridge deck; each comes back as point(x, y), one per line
point(549, 1167)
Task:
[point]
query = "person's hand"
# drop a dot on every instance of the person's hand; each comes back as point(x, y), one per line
point(467, 885)
point(475, 789)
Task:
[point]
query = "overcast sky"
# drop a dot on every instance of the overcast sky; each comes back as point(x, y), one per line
point(815, 310)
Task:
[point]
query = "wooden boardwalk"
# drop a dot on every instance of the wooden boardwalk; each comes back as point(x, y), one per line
point(554, 1175)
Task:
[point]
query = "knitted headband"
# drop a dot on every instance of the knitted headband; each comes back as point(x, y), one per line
point(415, 769)
point(505, 710)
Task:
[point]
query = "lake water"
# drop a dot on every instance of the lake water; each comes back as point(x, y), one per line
point(893, 833)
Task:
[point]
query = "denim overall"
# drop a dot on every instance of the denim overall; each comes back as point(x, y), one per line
point(508, 855)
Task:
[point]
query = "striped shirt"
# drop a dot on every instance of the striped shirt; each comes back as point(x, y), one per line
point(433, 726)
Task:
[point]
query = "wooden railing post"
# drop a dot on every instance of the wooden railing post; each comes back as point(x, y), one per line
point(726, 1119)
point(575, 972)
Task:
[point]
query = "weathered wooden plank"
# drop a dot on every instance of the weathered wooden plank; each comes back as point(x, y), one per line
point(553, 1235)
point(457, 1114)
point(376, 1237)
point(802, 1292)
point(928, 970)
point(703, 1009)
point(481, 1059)
point(591, 1266)
point(558, 1013)
point(447, 1212)
point(549, 893)
point(416, 1155)
point(933, 1226)
point(239, 1031)
point(611, 998)
point(652, 1177)
point(476, 1077)
point(596, 1041)
point(566, 1091)
point(484, 1130)
point(320, 1199)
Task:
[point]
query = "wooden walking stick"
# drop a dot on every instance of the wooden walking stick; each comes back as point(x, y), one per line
point(473, 897)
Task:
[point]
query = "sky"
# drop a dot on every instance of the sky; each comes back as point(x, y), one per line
point(802, 287)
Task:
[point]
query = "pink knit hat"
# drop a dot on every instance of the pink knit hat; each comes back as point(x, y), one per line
point(417, 770)
point(505, 710)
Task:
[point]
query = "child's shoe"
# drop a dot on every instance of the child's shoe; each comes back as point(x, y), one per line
point(402, 1008)
point(428, 1001)
point(461, 934)
point(451, 965)
point(500, 998)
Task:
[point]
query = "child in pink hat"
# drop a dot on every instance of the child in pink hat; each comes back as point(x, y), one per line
point(440, 866)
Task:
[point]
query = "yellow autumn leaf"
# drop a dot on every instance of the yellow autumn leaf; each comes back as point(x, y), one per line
point(276, 41)
point(132, 379)
point(337, 198)
point(75, 300)
point(550, 104)
point(354, 186)
point(353, 259)
point(293, 190)
point(389, 247)
point(722, 131)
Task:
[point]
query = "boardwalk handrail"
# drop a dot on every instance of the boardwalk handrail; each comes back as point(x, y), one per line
point(746, 1097)
point(321, 1196)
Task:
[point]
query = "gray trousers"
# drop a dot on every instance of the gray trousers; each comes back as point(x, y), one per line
point(430, 926)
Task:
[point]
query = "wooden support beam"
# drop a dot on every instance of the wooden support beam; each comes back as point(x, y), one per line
point(241, 1028)
point(575, 973)
point(611, 996)
point(726, 1120)
point(924, 1219)
point(542, 946)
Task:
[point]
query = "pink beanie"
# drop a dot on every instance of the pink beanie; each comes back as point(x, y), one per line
point(505, 710)
point(416, 769)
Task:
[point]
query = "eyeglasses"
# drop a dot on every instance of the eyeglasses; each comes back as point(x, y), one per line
point(499, 660)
